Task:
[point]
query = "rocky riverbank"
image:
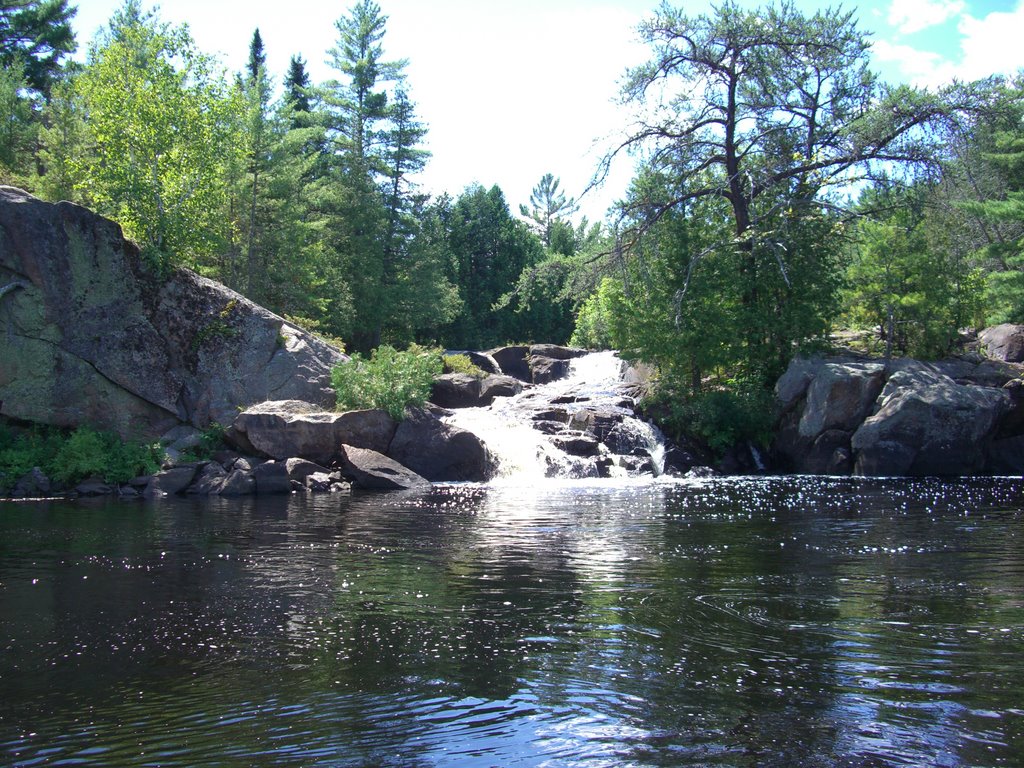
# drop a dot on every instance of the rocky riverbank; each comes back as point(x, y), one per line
point(855, 415)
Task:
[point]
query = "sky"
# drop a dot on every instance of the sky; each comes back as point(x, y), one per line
point(513, 89)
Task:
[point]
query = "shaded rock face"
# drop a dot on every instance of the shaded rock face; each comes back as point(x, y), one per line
point(88, 335)
point(439, 451)
point(1004, 342)
point(536, 364)
point(309, 439)
point(284, 429)
point(845, 415)
point(460, 390)
point(927, 424)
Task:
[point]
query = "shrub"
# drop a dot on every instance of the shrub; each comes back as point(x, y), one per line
point(88, 453)
point(462, 364)
point(71, 457)
point(720, 418)
point(390, 379)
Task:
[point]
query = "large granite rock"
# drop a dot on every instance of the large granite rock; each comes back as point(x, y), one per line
point(461, 390)
point(372, 471)
point(90, 335)
point(927, 424)
point(513, 361)
point(845, 415)
point(294, 429)
point(1004, 342)
point(439, 451)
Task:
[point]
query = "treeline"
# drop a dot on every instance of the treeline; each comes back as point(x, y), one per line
point(305, 201)
point(782, 191)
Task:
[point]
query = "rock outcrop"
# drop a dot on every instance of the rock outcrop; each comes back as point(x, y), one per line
point(849, 415)
point(1004, 342)
point(283, 429)
point(461, 390)
point(292, 431)
point(89, 334)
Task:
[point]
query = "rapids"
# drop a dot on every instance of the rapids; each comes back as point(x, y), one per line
point(580, 426)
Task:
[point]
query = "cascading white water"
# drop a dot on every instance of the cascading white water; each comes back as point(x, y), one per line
point(521, 431)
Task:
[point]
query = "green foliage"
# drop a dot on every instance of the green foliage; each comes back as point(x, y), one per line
point(211, 441)
point(389, 379)
point(720, 418)
point(18, 129)
point(596, 317)
point(462, 364)
point(20, 452)
point(913, 293)
point(71, 457)
point(488, 251)
point(159, 118)
point(35, 35)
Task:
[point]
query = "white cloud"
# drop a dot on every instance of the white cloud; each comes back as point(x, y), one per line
point(910, 16)
point(920, 68)
point(991, 45)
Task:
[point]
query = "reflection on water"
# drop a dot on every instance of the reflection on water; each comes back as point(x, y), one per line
point(734, 622)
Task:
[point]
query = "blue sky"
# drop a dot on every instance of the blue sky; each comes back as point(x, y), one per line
point(515, 89)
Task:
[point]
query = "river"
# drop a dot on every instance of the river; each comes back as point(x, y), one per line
point(718, 622)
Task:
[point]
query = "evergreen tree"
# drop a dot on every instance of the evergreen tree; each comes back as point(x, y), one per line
point(786, 111)
point(258, 140)
point(296, 85)
point(548, 207)
point(358, 104)
point(257, 66)
point(489, 250)
point(35, 35)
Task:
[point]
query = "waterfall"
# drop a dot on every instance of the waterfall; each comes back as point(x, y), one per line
point(580, 426)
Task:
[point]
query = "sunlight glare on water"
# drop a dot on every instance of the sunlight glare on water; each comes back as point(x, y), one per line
point(730, 621)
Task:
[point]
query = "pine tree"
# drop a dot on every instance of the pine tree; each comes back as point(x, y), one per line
point(257, 57)
point(296, 85)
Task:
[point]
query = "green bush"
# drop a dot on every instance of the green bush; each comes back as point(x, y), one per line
point(68, 458)
point(719, 418)
point(390, 379)
point(462, 364)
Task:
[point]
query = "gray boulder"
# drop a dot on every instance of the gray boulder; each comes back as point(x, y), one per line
point(927, 424)
point(33, 484)
point(272, 477)
point(1004, 342)
point(498, 386)
point(438, 451)
point(456, 390)
point(300, 469)
point(239, 482)
point(547, 369)
point(171, 481)
point(823, 402)
point(461, 390)
point(93, 336)
point(556, 352)
point(373, 471)
point(291, 428)
point(514, 361)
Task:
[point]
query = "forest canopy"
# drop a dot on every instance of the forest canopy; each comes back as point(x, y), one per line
point(782, 192)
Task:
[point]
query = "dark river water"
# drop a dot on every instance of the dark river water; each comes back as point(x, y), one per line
point(726, 622)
